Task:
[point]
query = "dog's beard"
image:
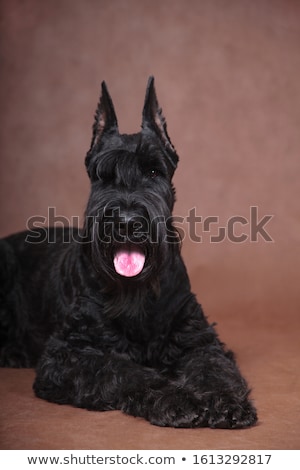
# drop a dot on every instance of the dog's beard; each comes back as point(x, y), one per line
point(131, 239)
point(129, 265)
point(127, 260)
point(125, 294)
point(130, 235)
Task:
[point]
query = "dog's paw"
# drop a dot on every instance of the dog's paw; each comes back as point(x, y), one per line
point(178, 409)
point(232, 415)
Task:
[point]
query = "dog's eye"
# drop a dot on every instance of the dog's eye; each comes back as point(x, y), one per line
point(153, 173)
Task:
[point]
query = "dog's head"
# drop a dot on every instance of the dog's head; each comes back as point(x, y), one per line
point(129, 213)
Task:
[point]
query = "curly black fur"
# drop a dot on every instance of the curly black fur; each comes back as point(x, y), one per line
point(103, 341)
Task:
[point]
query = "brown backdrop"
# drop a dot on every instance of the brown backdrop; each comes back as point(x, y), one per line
point(227, 76)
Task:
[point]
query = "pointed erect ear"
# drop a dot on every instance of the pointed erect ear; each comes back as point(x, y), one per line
point(105, 117)
point(154, 119)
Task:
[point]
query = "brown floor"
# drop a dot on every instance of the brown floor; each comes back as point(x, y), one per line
point(268, 359)
point(227, 77)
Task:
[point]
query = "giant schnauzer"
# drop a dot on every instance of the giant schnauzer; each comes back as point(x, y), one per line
point(105, 313)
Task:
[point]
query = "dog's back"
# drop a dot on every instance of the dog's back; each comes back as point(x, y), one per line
point(30, 263)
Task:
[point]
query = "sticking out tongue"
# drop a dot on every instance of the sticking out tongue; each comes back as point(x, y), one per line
point(129, 263)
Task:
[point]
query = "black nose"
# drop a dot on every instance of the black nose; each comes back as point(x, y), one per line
point(130, 227)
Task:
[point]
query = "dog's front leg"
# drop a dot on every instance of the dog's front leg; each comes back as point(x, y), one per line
point(88, 378)
point(206, 369)
point(213, 377)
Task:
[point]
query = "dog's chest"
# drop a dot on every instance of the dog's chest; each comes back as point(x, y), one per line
point(141, 341)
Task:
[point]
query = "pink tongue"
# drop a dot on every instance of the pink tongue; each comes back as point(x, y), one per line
point(129, 263)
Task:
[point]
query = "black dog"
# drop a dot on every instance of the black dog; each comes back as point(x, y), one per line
point(106, 314)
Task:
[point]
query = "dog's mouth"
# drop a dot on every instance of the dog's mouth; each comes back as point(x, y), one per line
point(129, 261)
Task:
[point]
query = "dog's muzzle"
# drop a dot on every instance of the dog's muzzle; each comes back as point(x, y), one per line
point(128, 234)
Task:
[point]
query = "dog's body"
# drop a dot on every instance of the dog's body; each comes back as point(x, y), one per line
point(106, 314)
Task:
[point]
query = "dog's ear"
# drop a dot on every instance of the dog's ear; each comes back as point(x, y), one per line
point(154, 120)
point(105, 117)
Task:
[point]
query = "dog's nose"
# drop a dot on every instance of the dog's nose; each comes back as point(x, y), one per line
point(130, 227)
